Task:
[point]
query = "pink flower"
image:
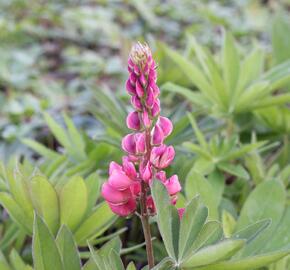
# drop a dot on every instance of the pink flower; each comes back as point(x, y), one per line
point(172, 185)
point(165, 124)
point(162, 156)
point(133, 121)
point(145, 147)
point(134, 143)
point(124, 209)
point(146, 172)
point(115, 196)
point(150, 205)
point(157, 136)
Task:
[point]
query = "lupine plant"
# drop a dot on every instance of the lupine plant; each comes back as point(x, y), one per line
point(127, 190)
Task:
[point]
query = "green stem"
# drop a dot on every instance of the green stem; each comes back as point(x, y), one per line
point(146, 226)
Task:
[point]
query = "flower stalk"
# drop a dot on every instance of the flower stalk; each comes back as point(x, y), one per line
point(128, 186)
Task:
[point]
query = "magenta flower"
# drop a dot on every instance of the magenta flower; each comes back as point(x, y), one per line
point(128, 185)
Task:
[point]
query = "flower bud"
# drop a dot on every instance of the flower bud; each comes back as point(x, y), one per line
point(129, 168)
point(157, 136)
point(149, 98)
point(161, 175)
point(130, 88)
point(114, 166)
point(172, 185)
point(140, 143)
point(162, 156)
point(136, 102)
point(156, 108)
point(165, 124)
point(139, 89)
point(146, 120)
point(151, 205)
point(129, 144)
point(146, 173)
point(133, 121)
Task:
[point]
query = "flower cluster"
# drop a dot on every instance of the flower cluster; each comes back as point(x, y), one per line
point(145, 147)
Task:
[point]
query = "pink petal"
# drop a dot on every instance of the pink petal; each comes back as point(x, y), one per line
point(165, 124)
point(140, 143)
point(119, 180)
point(133, 121)
point(114, 166)
point(139, 89)
point(130, 88)
point(156, 108)
point(172, 185)
point(124, 209)
point(129, 144)
point(157, 137)
point(136, 103)
point(115, 196)
point(129, 168)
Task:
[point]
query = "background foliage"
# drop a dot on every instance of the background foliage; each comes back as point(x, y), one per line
point(224, 74)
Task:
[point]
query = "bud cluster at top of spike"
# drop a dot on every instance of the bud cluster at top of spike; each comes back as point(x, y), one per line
point(147, 155)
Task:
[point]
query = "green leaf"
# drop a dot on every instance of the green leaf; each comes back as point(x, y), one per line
point(45, 201)
point(131, 266)
point(165, 264)
point(201, 139)
point(234, 169)
point(259, 206)
point(95, 224)
point(3, 262)
point(210, 233)
point(16, 261)
point(280, 38)
point(59, 133)
point(251, 69)
point(231, 62)
point(281, 235)
point(68, 249)
point(254, 262)
point(194, 74)
point(164, 216)
point(45, 252)
point(188, 94)
point(229, 224)
point(93, 183)
point(213, 253)
point(196, 184)
point(252, 231)
point(191, 224)
point(16, 212)
point(115, 261)
point(73, 202)
point(77, 142)
point(41, 149)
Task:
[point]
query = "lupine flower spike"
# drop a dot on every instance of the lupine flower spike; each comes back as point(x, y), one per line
point(128, 186)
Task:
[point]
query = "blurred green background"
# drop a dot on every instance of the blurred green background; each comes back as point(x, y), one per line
point(58, 55)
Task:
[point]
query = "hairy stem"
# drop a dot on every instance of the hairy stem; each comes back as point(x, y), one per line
point(146, 227)
point(143, 206)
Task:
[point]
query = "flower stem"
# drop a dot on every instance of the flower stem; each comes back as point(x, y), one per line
point(146, 226)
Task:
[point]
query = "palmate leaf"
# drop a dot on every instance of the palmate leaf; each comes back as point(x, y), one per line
point(230, 87)
point(200, 242)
